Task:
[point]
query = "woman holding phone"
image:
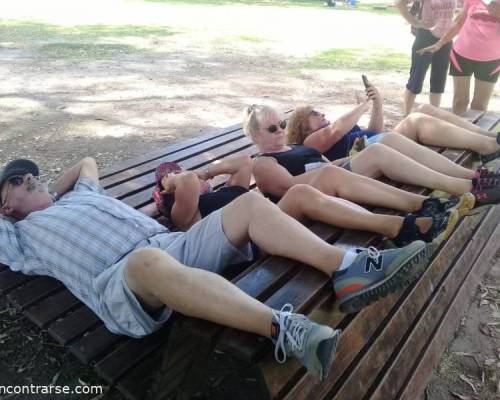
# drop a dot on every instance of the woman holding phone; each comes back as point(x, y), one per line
point(476, 51)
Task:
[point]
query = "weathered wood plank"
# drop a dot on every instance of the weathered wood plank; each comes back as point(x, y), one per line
point(155, 154)
point(52, 308)
point(128, 354)
point(73, 325)
point(33, 291)
point(95, 343)
point(449, 324)
point(10, 280)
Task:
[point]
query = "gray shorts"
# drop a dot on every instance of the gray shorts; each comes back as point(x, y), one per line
point(204, 246)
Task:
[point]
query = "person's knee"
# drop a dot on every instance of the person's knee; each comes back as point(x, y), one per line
point(390, 139)
point(301, 192)
point(146, 264)
point(424, 109)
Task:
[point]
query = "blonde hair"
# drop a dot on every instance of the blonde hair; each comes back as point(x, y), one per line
point(252, 115)
point(298, 126)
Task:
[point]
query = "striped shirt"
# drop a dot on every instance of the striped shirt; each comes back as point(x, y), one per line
point(76, 239)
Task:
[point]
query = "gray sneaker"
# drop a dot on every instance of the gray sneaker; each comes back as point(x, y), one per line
point(314, 345)
point(374, 274)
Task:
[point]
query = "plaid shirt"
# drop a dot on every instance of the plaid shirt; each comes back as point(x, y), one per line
point(76, 239)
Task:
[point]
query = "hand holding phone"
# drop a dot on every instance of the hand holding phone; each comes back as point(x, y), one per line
point(365, 81)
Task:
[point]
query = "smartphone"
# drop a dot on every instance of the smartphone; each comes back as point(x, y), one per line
point(365, 81)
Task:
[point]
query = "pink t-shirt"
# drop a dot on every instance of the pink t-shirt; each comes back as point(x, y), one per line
point(479, 38)
point(439, 14)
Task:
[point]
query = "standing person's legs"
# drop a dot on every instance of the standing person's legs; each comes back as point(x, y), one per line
point(418, 69)
point(483, 91)
point(439, 70)
point(380, 160)
point(461, 89)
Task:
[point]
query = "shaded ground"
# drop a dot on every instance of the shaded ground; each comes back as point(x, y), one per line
point(117, 78)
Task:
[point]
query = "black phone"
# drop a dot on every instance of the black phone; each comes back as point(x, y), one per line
point(365, 81)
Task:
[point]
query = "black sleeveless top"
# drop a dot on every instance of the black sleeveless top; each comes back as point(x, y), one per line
point(209, 202)
point(298, 159)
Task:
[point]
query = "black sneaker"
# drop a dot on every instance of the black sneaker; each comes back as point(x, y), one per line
point(485, 193)
point(441, 228)
point(433, 205)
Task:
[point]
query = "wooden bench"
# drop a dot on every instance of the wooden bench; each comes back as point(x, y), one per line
point(386, 350)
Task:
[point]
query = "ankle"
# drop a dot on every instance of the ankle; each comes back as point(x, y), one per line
point(424, 224)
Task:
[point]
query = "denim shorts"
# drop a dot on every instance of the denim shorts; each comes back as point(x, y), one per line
point(204, 246)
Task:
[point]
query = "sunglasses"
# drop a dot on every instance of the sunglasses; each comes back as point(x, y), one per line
point(15, 180)
point(315, 113)
point(273, 127)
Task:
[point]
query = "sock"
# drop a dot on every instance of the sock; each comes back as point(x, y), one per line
point(347, 260)
point(275, 330)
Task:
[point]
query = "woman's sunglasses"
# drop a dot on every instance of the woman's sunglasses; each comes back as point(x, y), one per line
point(273, 127)
point(315, 113)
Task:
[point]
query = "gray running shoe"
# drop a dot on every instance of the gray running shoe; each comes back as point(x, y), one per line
point(314, 345)
point(374, 274)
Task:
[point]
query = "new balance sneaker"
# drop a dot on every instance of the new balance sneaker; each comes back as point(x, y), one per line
point(374, 274)
point(433, 205)
point(441, 227)
point(485, 192)
point(314, 345)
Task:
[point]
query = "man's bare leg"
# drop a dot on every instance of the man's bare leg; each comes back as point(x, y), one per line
point(158, 279)
point(379, 160)
point(428, 130)
point(304, 201)
point(425, 156)
point(338, 182)
point(451, 118)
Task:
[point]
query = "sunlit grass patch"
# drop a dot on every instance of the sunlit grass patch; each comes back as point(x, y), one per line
point(359, 59)
point(252, 39)
point(14, 31)
point(86, 50)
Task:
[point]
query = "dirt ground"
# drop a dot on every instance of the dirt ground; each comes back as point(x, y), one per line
point(113, 94)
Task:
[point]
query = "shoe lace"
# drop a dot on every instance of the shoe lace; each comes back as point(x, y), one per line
point(373, 253)
point(292, 332)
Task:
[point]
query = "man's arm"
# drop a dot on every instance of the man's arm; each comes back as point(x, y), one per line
point(86, 168)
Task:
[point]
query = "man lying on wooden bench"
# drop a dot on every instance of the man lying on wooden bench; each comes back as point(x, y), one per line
point(131, 271)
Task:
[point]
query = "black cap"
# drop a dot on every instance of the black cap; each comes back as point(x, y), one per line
point(18, 167)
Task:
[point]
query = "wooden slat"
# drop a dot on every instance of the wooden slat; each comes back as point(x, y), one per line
point(52, 308)
point(10, 280)
point(136, 161)
point(183, 155)
point(367, 369)
point(139, 380)
point(148, 178)
point(144, 194)
point(450, 322)
point(127, 355)
point(73, 325)
point(94, 344)
point(33, 291)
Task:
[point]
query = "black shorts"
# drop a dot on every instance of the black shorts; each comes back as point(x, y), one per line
point(210, 202)
point(487, 71)
point(420, 63)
